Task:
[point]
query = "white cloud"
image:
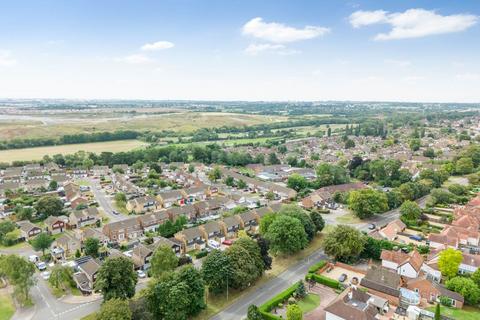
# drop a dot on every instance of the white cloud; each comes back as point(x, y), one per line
point(468, 76)
point(159, 45)
point(413, 23)
point(364, 18)
point(255, 49)
point(6, 59)
point(398, 63)
point(280, 33)
point(135, 59)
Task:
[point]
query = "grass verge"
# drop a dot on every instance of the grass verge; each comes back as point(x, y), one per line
point(7, 308)
point(467, 313)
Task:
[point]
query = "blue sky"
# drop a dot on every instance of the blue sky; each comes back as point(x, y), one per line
point(241, 50)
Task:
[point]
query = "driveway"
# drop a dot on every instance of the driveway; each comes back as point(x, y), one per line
point(327, 295)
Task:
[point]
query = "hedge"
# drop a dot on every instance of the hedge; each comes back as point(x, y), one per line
point(324, 280)
point(201, 254)
point(275, 301)
point(317, 266)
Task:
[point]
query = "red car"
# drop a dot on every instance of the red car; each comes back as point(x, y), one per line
point(227, 242)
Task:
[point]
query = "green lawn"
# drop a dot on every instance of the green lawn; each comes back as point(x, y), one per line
point(348, 218)
point(310, 302)
point(467, 313)
point(7, 309)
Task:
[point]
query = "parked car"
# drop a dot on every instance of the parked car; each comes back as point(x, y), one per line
point(141, 274)
point(416, 237)
point(227, 242)
point(41, 265)
point(342, 277)
point(372, 226)
point(46, 275)
point(33, 258)
point(115, 212)
point(213, 244)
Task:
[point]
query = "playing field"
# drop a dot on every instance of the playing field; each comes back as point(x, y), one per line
point(97, 147)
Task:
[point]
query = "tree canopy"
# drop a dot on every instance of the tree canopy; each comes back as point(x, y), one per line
point(116, 278)
point(344, 243)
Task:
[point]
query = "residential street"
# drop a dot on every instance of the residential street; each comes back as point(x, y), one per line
point(104, 201)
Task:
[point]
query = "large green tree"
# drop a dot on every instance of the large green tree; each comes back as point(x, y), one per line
point(92, 245)
point(297, 212)
point(286, 235)
point(344, 243)
point(19, 273)
point(114, 309)
point(196, 288)
point(42, 242)
point(317, 220)
point(116, 278)
point(163, 260)
point(410, 211)
point(49, 206)
point(217, 271)
point(367, 202)
point(245, 265)
point(449, 261)
point(466, 287)
point(297, 182)
point(168, 298)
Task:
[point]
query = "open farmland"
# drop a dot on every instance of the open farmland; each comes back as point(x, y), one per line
point(97, 147)
point(31, 127)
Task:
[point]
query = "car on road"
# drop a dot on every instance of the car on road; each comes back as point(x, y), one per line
point(141, 274)
point(46, 275)
point(115, 212)
point(372, 226)
point(342, 277)
point(41, 265)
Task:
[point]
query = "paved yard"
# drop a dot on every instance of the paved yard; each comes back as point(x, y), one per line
point(327, 295)
point(337, 271)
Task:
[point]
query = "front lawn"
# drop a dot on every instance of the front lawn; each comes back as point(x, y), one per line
point(7, 309)
point(467, 313)
point(349, 218)
point(309, 303)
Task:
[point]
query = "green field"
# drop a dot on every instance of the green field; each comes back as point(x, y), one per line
point(97, 147)
point(7, 309)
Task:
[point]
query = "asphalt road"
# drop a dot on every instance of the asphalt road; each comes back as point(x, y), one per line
point(104, 201)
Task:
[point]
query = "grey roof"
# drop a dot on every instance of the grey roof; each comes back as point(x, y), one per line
point(382, 280)
point(448, 293)
point(90, 267)
point(231, 221)
point(212, 226)
point(192, 233)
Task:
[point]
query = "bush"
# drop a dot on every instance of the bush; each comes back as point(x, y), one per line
point(334, 284)
point(201, 254)
point(275, 301)
point(445, 301)
point(317, 266)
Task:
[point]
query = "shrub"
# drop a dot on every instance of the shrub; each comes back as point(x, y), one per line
point(317, 266)
point(324, 280)
point(445, 301)
point(275, 301)
point(201, 254)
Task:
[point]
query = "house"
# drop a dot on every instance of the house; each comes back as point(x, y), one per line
point(169, 198)
point(189, 211)
point(84, 234)
point(408, 265)
point(172, 243)
point(99, 171)
point(54, 224)
point(213, 230)
point(123, 230)
point(87, 274)
point(142, 204)
point(470, 262)
point(69, 244)
point(141, 255)
point(28, 230)
point(231, 226)
point(262, 211)
point(454, 237)
point(191, 239)
point(431, 291)
point(384, 283)
point(74, 196)
point(323, 197)
point(391, 230)
point(151, 221)
point(84, 217)
point(249, 220)
point(199, 193)
point(355, 304)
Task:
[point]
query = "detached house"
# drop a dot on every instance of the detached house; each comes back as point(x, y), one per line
point(408, 265)
point(69, 245)
point(55, 224)
point(28, 230)
point(391, 230)
point(84, 217)
point(141, 255)
point(355, 304)
point(86, 276)
point(431, 291)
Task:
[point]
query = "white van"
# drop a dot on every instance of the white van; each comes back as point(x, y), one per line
point(213, 244)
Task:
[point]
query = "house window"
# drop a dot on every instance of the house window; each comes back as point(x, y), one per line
point(416, 290)
point(452, 302)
